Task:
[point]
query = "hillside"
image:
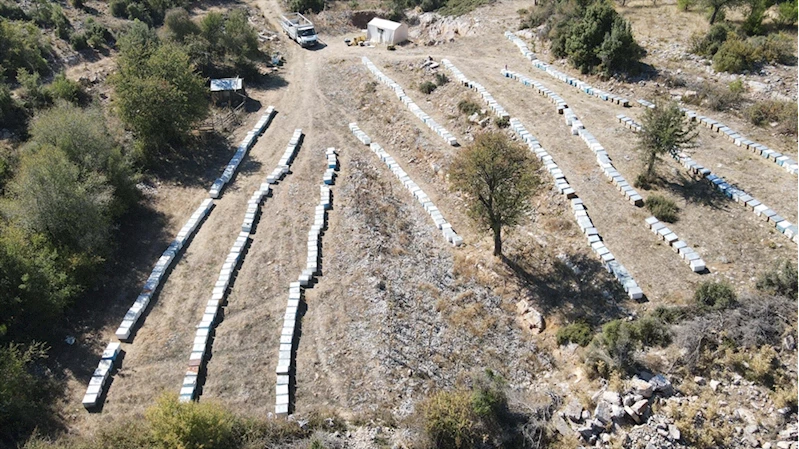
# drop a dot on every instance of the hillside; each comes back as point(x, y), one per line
point(398, 314)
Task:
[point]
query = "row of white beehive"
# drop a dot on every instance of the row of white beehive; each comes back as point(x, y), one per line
point(438, 218)
point(489, 99)
point(201, 346)
point(583, 86)
point(591, 233)
point(787, 163)
point(732, 192)
point(241, 151)
point(629, 123)
point(413, 107)
point(287, 341)
point(577, 128)
point(164, 263)
point(687, 253)
point(101, 375)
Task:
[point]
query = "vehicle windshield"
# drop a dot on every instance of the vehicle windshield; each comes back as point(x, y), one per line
point(307, 32)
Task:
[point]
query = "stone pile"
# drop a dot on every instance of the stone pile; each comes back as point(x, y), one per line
point(438, 218)
point(413, 107)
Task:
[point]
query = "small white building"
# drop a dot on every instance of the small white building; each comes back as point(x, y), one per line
point(382, 31)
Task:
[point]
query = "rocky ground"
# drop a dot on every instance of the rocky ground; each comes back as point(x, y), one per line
point(399, 313)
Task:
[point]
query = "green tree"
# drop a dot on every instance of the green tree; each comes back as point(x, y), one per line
point(23, 47)
point(619, 51)
point(499, 177)
point(83, 137)
point(21, 393)
point(158, 94)
point(240, 39)
point(717, 6)
point(588, 34)
point(51, 196)
point(179, 25)
point(664, 132)
point(212, 27)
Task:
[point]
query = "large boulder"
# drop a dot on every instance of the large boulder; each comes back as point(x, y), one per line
point(529, 318)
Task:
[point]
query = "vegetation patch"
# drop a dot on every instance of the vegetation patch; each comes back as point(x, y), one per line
point(662, 208)
point(579, 333)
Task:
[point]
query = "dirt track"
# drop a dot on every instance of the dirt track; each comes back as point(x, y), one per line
point(341, 358)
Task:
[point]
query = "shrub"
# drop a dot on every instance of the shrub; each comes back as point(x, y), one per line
point(735, 56)
point(779, 280)
point(179, 24)
point(787, 13)
point(305, 6)
point(715, 296)
point(710, 43)
point(119, 8)
point(441, 79)
point(23, 47)
point(449, 419)
point(579, 333)
point(194, 425)
point(391, 48)
point(427, 87)
point(502, 122)
point(468, 107)
point(775, 48)
point(463, 418)
point(64, 88)
point(685, 5)
point(662, 208)
point(79, 41)
point(33, 93)
point(21, 392)
point(765, 112)
point(76, 3)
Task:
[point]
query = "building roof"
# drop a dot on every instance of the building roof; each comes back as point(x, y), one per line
point(226, 84)
point(384, 24)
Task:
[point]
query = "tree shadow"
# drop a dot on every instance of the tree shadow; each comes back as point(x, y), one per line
point(694, 190)
point(270, 81)
point(577, 287)
point(196, 165)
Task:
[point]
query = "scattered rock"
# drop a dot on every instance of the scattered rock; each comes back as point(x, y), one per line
point(530, 318)
point(674, 433)
point(611, 397)
point(715, 384)
point(661, 385)
point(789, 343)
point(574, 411)
point(562, 426)
point(642, 387)
point(699, 380)
point(603, 412)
